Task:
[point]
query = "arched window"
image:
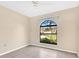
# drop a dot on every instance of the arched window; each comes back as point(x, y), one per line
point(48, 32)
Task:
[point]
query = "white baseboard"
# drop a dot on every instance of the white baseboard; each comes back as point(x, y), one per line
point(13, 50)
point(36, 45)
point(57, 49)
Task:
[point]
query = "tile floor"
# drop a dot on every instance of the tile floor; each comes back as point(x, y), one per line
point(38, 52)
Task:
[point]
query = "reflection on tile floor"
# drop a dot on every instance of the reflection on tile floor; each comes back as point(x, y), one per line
point(38, 52)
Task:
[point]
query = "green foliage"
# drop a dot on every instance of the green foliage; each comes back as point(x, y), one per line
point(46, 40)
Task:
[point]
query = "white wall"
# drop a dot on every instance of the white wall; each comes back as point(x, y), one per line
point(66, 36)
point(14, 30)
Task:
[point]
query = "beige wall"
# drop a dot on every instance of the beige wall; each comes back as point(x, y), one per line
point(66, 36)
point(77, 32)
point(14, 30)
point(18, 30)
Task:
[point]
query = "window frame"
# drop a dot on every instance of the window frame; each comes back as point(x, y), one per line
point(48, 33)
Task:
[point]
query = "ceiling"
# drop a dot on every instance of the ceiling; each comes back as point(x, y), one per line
point(40, 7)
